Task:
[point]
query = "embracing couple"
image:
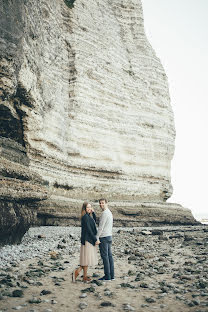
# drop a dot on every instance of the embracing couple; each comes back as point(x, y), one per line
point(91, 238)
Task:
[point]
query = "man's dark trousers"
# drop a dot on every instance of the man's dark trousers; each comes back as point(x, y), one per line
point(106, 255)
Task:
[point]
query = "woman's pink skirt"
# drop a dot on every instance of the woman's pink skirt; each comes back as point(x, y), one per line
point(88, 254)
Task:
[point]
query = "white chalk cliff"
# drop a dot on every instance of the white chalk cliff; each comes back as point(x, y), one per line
point(95, 110)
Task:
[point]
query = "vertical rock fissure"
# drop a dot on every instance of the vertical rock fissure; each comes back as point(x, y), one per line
point(10, 126)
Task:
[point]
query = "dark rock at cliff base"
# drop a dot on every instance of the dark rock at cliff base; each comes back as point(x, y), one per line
point(21, 191)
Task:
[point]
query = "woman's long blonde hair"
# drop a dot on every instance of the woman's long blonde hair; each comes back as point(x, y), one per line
point(83, 211)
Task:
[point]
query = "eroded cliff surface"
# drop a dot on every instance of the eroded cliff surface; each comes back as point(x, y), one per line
point(85, 96)
point(21, 189)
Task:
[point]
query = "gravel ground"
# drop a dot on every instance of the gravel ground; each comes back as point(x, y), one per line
point(157, 268)
point(38, 242)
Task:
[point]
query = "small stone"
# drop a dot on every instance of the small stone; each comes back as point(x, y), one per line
point(45, 292)
point(127, 307)
point(202, 283)
point(84, 295)
point(17, 308)
point(196, 302)
point(146, 232)
point(144, 285)
point(125, 285)
point(7, 293)
point(131, 273)
point(83, 305)
point(157, 232)
point(132, 258)
point(180, 297)
point(34, 300)
point(53, 301)
point(188, 238)
point(190, 303)
point(24, 305)
point(54, 255)
point(177, 235)
point(61, 246)
point(164, 238)
point(186, 277)
point(17, 293)
point(150, 299)
point(40, 263)
point(98, 295)
point(107, 304)
point(108, 293)
point(46, 300)
point(97, 282)
point(41, 236)
point(160, 270)
point(30, 282)
point(90, 289)
point(127, 251)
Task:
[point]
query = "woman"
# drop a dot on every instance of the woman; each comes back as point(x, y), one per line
point(88, 251)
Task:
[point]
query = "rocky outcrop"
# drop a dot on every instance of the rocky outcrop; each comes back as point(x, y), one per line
point(20, 192)
point(87, 98)
point(21, 189)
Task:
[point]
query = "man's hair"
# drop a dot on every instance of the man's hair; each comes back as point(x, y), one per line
point(103, 199)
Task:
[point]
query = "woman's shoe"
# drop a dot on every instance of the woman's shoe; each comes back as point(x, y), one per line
point(74, 276)
point(86, 279)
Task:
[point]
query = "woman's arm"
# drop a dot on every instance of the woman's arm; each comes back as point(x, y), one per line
point(87, 225)
point(94, 216)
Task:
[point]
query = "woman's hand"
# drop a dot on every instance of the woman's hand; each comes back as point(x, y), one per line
point(92, 209)
point(97, 242)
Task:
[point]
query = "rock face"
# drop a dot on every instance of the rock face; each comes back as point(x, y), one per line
point(21, 189)
point(85, 100)
point(20, 192)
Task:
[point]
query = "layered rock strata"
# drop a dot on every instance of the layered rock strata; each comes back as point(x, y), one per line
point(87, 98)
point(20, 192)
point(21, 189)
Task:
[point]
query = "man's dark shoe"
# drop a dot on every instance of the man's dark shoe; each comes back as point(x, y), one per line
point(104, 279)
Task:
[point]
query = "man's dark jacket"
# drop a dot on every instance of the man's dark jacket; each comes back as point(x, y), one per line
point(89, 229)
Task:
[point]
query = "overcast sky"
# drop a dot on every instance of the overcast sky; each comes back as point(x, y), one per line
point(178, 32)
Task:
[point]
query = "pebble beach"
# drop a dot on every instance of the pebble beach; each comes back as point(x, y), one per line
point(157, 269)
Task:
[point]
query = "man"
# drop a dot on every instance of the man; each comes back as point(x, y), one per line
point(104, 235)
